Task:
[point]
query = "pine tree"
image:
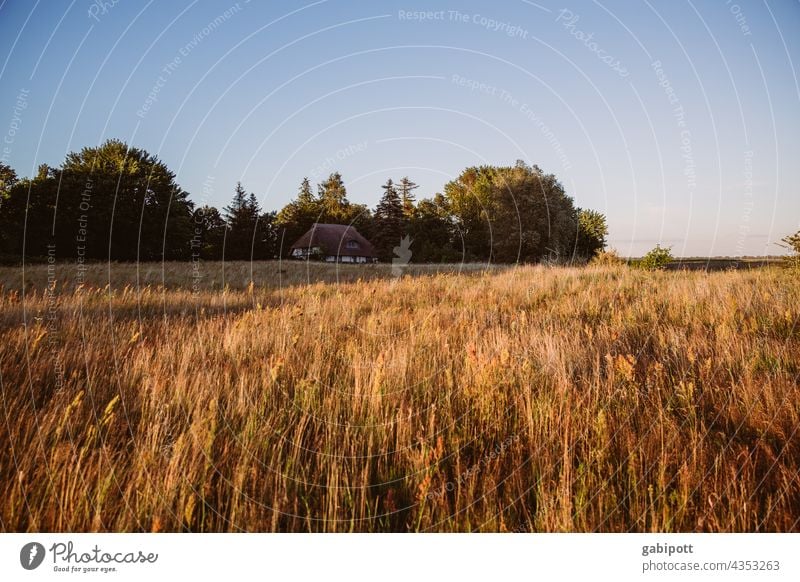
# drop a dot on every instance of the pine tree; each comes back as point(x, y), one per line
point(335, 208)
point(405, 189)
point(234, 210)
point(333, 199)
point(265, 244)
point(241, 216)
point(389, 222)
point(305, 197)
point(253, 208)
point(297, 217)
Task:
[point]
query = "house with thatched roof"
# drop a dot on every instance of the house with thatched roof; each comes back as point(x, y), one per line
point(334, 243)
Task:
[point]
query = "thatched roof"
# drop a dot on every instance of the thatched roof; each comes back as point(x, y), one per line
point(333, 239)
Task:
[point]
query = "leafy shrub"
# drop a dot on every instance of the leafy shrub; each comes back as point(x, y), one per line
point(793, 244)
point(657, 259)
point(607, 258)
point(592, 233)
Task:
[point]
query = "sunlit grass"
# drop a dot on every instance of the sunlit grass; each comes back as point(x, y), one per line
point(299, 397)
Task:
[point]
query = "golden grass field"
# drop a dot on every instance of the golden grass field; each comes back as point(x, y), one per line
point(323, 399)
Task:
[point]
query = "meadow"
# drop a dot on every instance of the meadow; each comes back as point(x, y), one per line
point(293, 397)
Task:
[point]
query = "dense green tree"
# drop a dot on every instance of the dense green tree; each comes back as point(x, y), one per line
point(107, 202)
point(333, 203)
point(209, 233)
point(469, 197)
point(592, 232)
point(8, 177)
point(297, 217)
point(431, 230)
point(26, 216)
point(510, 214)
point(335, 208)
point(265, 241)
point(251, 233)
point(43, 171)
point(136, 210)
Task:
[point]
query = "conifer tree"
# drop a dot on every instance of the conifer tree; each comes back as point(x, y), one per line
point(333, 200)
point(241, 216)
point(406, 189)
point(297, 217)
point(389, 222)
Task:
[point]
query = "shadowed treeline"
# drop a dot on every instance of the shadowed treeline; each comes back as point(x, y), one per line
point(121, 203)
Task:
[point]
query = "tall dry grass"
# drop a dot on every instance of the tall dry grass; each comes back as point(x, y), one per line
point(324, 399)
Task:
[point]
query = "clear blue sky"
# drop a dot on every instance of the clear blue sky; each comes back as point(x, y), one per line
point(700, 152)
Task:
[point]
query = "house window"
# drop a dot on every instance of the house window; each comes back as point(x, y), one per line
point(351, 244)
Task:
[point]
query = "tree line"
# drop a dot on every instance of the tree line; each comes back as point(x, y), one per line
point(121, 203)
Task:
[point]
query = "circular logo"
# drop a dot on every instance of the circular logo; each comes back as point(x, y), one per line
point(31, 555)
